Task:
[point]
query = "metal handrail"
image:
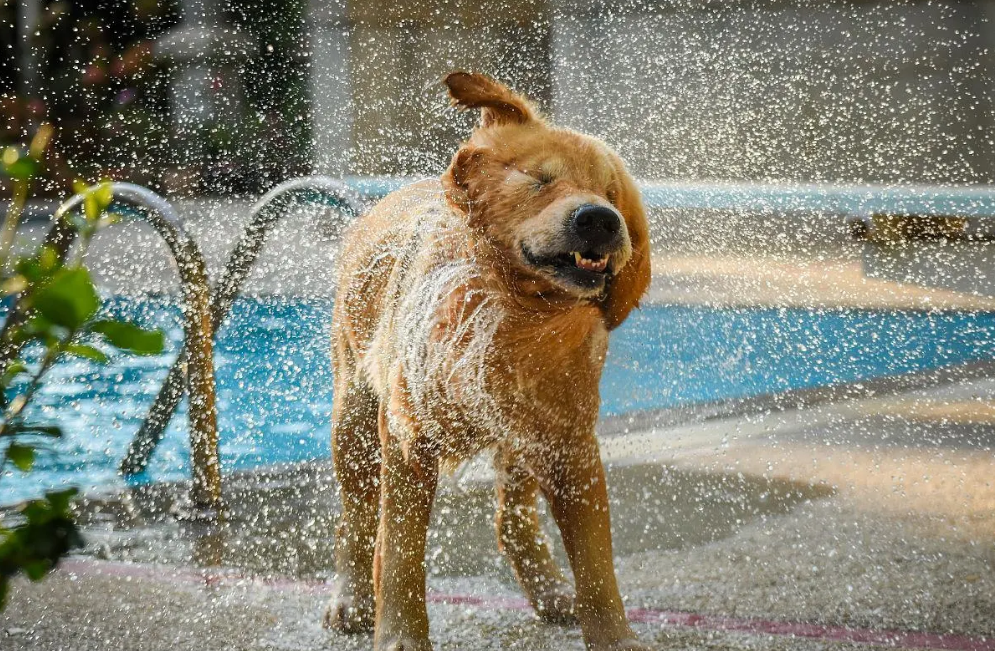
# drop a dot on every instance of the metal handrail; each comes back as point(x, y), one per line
point(264, 215)
point(205, 490)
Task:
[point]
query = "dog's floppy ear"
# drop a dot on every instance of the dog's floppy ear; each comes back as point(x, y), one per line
point(631, 282)
point(457, 179)
point(497, 103)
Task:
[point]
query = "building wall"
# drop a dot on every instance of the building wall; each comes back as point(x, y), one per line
point(379, 105)
point(798, 91)
point(887, 92)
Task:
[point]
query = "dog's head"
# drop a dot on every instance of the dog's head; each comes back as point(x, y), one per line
point(559, 205)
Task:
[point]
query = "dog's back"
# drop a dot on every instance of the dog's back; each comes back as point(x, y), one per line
point(377, 255)
point(416, 317)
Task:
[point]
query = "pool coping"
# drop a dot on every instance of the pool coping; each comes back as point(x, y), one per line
point(803, 398)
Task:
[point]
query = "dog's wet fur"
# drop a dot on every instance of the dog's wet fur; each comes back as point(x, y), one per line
point(473, 312)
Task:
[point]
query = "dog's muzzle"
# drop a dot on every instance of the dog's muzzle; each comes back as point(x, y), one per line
point(596, 228)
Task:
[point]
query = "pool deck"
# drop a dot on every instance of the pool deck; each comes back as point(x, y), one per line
point(856, 522)
point(741, 279)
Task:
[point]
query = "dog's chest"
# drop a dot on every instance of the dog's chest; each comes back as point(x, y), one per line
point(477, 371)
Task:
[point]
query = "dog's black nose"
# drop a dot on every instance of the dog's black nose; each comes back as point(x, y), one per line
point(596, 225)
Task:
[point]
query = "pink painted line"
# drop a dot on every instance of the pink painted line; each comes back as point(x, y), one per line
point(909, 639)
point(216, 577)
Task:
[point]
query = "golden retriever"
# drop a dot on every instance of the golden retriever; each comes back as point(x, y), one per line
point(473, 312)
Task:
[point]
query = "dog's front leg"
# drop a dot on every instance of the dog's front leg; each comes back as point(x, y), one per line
point(407, 491)
point(521, 540)
point(356, 454)
point(573, 480)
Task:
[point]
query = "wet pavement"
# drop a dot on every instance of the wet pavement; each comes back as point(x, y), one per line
point(279, 521)
point(861, 519)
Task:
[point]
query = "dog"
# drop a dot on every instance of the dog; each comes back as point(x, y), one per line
point(472, 312)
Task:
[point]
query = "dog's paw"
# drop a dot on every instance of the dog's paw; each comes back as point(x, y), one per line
point(404, 644)
point(348, 613)
point(556, 606)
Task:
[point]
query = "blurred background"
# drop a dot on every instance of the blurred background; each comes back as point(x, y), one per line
point(797, 423)
point(182, 96)
point(206, 96)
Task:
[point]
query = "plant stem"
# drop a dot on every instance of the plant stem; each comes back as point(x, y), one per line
point(12, 220)
point(18, 404)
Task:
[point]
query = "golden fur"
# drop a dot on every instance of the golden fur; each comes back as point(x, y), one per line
point(459, 327)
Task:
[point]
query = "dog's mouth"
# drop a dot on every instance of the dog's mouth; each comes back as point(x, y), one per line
point(588, 270)
point(597, 262)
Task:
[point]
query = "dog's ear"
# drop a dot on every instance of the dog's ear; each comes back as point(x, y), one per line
point(458, 178)
point(498, 104)
point(634, 278)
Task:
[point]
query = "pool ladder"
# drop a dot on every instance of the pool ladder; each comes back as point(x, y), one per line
point(203, 313)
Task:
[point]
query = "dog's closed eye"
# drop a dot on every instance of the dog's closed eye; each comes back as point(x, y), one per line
point(538, 178)
point(542, 179)
point(533, 180)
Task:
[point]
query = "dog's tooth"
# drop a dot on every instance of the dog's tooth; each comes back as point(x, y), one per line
point(577, 257)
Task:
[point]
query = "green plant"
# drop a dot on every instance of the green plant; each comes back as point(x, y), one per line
point(53, 312)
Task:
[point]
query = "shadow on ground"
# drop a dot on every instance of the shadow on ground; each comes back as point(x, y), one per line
point(282, 522)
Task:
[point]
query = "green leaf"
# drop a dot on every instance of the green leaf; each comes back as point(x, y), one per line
point(87, 351)
point(22, 456)
point(69, 299)
point(37, 569)
point(104, 194)
point(48, 258)
point(17, 166)
point(20, 428)
point(9, 156)
point(96, 199)
point(40, 328)
point(30, 268)
point(15, 368)
point(128, 336)
point(60, 499)
point(91, 208)
point(45, 535)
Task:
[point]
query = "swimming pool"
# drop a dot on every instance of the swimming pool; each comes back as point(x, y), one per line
point(274, 376)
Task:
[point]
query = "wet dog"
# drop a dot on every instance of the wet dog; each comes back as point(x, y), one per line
point(473, 312)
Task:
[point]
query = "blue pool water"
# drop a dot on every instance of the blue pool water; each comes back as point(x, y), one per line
point(274, 376)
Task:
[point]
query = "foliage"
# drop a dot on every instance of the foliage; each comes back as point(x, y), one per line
point(53, 311)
